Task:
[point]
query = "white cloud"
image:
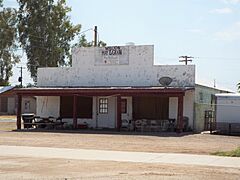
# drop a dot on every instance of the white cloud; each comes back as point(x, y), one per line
point(222, 11)
point(230, 34)
point(231, 1)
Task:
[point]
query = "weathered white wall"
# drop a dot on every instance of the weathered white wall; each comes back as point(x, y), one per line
point(140, 71)
point(48, 106)
point(204, 100)
point(228, 109)
point(173, 107)
point(188, 106)
point(11, 105)
point(32, 101)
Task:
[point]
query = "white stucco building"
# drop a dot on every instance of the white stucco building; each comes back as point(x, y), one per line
point(107, 85)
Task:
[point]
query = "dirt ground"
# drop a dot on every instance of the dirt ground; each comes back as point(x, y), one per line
point(34, 168)
point(192, 143)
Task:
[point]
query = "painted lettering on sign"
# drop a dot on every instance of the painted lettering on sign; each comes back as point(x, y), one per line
point(112, 55)
point(112, 50)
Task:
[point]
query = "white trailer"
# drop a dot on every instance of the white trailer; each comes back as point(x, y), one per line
point(228, 112)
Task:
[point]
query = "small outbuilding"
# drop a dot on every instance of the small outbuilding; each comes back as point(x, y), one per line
point(8, 104)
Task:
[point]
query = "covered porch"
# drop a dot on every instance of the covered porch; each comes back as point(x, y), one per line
point(80, 101)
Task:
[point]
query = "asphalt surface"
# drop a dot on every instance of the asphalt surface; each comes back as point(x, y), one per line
point(121, 156)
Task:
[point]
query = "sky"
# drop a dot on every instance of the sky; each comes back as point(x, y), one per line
point(208, 30)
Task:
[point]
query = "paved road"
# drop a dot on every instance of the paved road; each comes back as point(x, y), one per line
point(122, 156)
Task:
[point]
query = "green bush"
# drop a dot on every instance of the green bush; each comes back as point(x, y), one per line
point(233, 153)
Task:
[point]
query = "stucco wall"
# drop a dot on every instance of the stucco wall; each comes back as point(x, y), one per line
point(11, 105)
point(31, 108)
point(173, 107)
point(187, 107)
point(48, 106)
point(139, 71)
point(202, 104)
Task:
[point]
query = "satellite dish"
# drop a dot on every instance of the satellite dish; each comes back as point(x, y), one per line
point(165, 81)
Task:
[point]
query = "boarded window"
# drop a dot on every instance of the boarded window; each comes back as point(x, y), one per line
point(124, 105)
point(150, 107)
point(4, 104)
point(84, 107)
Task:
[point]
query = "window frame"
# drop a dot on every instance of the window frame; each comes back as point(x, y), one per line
point(84, 107)
point(103, 105)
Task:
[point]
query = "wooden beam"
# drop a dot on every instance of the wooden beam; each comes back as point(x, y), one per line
point(19, 111)
point(74, 111)
point(180, 115)
point(119, 113)
point(173, 92)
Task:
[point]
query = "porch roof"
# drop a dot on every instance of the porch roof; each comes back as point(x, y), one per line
point(102, 91)
point(6, 90)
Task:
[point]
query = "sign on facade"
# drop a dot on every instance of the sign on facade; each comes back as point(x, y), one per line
point(112, 55)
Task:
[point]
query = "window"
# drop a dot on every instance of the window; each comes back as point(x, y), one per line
point(145, 107)
point(26, 105)
point(103, 105)
point(124, 105)
point(84, 107)
point(201, 96)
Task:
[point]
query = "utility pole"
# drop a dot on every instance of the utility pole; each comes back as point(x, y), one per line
point(20, 79)
point(95, 36)
point(186, 59)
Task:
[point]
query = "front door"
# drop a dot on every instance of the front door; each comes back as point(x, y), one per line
point(106, 112)
point(126, 108)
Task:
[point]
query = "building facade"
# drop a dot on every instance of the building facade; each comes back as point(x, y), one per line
point(205, 100)
point(107, 85)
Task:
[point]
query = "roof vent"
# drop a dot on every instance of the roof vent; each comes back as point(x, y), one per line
point(165, 81)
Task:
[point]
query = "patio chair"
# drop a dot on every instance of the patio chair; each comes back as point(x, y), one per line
point(138, 125)
point(154, 126)
point(125, 124)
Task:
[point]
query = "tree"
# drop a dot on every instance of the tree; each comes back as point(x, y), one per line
point(83, 42)
point(8, 36)
point(45, 32)
point(238, 87)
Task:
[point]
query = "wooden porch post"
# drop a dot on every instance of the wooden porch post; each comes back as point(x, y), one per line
point(180, 114)
point(19, 111)
point(119, 113)
point(74, 111)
